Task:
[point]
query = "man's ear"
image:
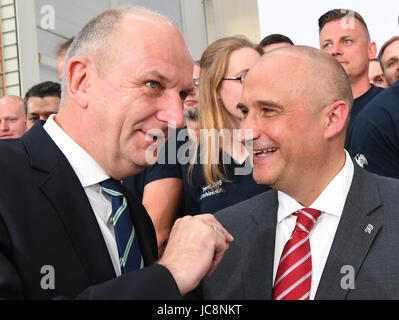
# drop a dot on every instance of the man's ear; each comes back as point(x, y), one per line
point(338, 114)
point(78, 71)
point(372, 50)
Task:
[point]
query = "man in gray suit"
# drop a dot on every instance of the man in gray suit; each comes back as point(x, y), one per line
point(329, 229)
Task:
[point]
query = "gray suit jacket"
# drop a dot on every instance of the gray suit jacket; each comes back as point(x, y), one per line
point(246, 271)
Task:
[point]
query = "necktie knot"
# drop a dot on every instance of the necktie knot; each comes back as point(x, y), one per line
point(306, 219)
point(112, 187)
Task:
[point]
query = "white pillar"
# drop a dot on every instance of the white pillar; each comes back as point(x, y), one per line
point(194, 26)
point(27, 44)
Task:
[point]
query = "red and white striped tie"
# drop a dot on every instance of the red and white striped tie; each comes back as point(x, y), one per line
point(294, 273)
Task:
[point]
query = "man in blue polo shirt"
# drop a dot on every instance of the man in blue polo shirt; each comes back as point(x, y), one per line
point(375, 138)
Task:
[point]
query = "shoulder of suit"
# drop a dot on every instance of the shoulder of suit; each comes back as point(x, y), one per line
point(11, 147)
point(387, 187)
point(241, 213)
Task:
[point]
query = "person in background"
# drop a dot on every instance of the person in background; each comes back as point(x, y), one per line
point(41, 101)
point(61, 54)
point(375, 141)
point(344, 34)
point(191, 103)
point(274, 41)
point(376, 75)
point(389, 60)
point(12, 117)
point(221, 175)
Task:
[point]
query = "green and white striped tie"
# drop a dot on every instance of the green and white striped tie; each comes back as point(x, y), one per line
point(128, 247)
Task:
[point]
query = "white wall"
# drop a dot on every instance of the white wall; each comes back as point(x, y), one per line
point(298, 19)
point(232, 17)
point(70, 16)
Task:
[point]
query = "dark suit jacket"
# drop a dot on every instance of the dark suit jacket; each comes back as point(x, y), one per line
point(46, 219)
point(246, 271)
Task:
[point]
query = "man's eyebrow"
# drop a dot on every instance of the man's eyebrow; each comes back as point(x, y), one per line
point(268, 103)
point(156, 74)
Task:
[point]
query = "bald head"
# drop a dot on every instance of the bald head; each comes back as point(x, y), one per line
point(313, 73)
point(12, 117)
point(12, 100)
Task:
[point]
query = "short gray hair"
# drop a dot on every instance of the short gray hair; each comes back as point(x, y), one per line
point(96, 37)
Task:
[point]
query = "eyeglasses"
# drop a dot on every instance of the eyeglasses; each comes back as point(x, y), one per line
point(241, 78)
point(196, 83)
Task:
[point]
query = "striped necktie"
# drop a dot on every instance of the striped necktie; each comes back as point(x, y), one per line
point(294, 273)
point(128, 248)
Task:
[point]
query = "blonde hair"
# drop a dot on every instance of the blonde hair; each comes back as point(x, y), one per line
point(213, 115)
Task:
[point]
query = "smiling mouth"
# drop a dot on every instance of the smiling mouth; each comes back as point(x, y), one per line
point(264, 152)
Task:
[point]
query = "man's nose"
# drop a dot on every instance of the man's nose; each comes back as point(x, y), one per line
point(336, 50)
point(4, 126)
point(249, 131)
point(172, 113)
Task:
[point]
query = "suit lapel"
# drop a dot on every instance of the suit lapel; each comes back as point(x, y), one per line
point(258, 242)
point(62, 188)
point(353, 238)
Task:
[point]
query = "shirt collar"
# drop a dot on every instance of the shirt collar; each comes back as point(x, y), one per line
point(86, 168)
point(331, 200)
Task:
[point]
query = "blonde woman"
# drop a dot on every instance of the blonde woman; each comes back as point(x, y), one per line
point(222, 175)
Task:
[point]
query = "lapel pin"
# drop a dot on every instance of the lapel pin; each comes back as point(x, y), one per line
point(369, 228)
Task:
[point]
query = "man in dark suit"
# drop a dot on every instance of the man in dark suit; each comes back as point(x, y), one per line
point(64, 216)
point(329, 229)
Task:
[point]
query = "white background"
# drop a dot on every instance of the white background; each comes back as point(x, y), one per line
point(298, 19)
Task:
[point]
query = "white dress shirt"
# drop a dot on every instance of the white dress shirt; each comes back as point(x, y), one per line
point(331, 204)
point(90, 174)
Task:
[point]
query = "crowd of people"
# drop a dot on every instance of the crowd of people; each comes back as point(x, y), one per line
point(256, 172)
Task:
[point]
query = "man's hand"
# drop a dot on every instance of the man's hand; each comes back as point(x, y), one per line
point(195, 248)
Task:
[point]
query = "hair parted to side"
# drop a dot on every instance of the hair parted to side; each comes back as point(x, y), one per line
point(275, 38)
point(337, 14)
point(95, 38)
point(213, 115)
point(42, 90)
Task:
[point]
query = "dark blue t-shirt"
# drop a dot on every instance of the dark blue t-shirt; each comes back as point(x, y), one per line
point(375, 138)
point(203, 198)
point(358, 105)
